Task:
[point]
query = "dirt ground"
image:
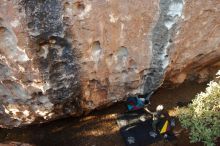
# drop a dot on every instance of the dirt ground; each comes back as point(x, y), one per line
point(99, 128)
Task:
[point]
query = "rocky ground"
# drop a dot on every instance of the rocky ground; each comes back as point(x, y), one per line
point(99, 128)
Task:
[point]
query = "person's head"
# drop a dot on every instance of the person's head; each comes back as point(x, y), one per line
point(159, 108)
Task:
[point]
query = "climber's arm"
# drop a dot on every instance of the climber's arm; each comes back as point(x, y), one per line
point(147, 110)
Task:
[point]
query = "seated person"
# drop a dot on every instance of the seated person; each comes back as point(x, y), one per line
point(156, 116)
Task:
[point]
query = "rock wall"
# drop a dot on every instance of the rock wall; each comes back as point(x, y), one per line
point(65, 58)
point(196, 49)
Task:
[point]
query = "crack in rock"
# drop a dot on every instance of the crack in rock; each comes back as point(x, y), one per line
point(170, 13)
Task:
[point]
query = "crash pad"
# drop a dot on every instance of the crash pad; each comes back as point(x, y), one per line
point(136, 129)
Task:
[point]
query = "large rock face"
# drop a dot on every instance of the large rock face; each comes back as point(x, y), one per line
point(196, 47)
point(66, 57)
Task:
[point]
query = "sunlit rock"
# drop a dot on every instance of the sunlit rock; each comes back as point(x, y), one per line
point(65, 58)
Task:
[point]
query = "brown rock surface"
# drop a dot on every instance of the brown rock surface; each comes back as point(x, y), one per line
point(196, 48)
point(15, 144)
point(61, 58)
point(111, 35)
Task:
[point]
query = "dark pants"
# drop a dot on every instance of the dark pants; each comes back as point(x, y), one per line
point(154, 124)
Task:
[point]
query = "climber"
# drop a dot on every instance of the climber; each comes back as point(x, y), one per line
point(138, 102)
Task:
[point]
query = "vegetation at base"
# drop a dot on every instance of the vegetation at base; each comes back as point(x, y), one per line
point(202, 116)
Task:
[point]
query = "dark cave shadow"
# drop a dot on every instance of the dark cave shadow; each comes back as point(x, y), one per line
point(80, 131)
point(58, 134)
